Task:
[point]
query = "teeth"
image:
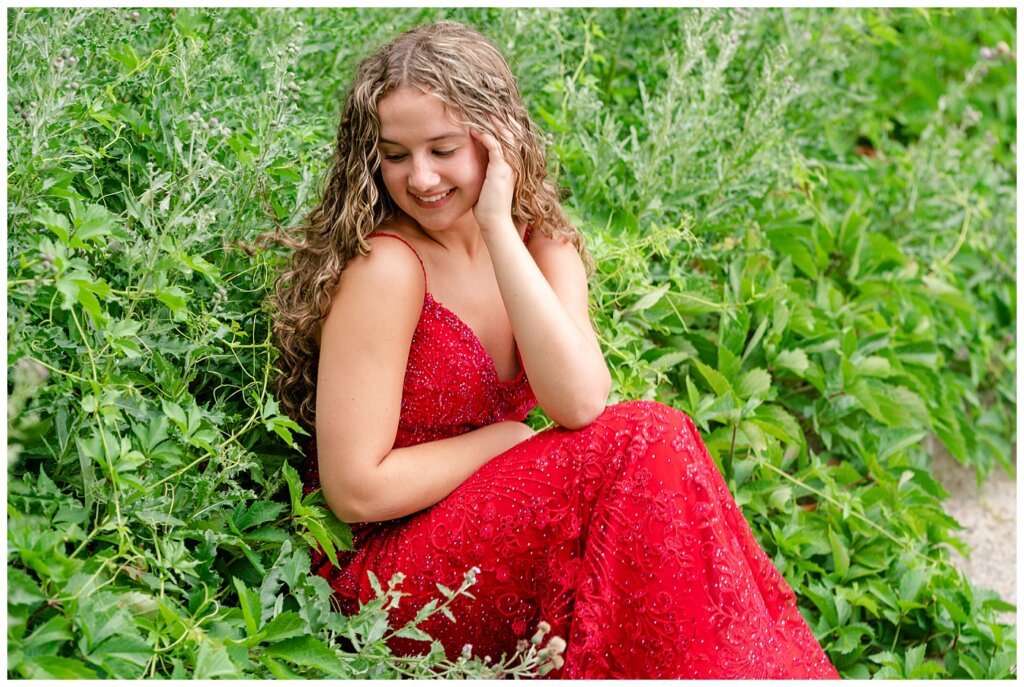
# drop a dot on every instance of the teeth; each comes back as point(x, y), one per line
point(432, 199)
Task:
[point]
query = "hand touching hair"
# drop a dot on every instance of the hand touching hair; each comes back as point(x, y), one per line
point(464, 71)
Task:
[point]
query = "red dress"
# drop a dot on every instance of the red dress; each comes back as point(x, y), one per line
point(622, 536)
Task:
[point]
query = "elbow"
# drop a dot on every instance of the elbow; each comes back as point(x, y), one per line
point(347, 504)
point(585, 412)
point(589, 406)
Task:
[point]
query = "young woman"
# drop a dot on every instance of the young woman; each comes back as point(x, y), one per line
point(437, 295)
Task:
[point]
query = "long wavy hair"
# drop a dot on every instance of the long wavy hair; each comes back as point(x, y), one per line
point(471, 78)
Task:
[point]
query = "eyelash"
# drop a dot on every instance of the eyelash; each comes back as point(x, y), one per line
point(439, 153)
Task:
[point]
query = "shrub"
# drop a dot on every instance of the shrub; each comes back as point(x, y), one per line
point(804, 238)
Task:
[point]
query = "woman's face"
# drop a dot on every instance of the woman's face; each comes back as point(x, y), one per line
point(431, 166)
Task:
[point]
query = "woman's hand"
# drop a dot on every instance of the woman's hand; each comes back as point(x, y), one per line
point(494, 206)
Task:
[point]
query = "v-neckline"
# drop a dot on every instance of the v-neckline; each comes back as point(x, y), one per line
point(480, 344)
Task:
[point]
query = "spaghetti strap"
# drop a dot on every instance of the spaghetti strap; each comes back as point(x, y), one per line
point(528, 233)
point(409, 247)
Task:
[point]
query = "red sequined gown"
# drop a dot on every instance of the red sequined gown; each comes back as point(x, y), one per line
point(622, 536)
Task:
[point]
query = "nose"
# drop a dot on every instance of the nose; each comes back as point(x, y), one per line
point(422, 177)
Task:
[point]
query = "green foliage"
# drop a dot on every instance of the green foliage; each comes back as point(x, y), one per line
point(804, 230)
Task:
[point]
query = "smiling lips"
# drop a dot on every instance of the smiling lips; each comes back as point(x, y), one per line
point(435, 201)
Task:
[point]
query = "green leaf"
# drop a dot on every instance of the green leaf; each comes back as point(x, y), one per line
point(22, 590)
point(122, 656)
point(93, 226)
point(794, 360)
point(177, 415)
point(873, 366)
point(896, 439)
point(249, 601)
point(48, 637)
point(716, 381)
point(911, 583)
point(57, 668)
point(284, 625)
point(213, 661)
point(955, 604)
point(308, 652)
point(55, 222)
point(840, 554)
point(648, 299)
point(257, 513)
point(174, 298)
point(753, 383)
point(414, 633)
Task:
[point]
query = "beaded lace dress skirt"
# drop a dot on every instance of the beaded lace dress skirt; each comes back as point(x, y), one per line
point(622, 536)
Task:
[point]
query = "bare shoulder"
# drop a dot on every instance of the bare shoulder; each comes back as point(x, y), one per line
point(391, 267)
point(383, 288)
point(554, 252)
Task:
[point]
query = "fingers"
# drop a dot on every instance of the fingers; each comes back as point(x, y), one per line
point(508, 138)
point(489, 142)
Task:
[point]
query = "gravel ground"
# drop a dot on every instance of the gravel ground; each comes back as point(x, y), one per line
point(989, 518)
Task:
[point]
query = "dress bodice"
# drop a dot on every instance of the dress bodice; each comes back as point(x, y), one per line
point(451, 385)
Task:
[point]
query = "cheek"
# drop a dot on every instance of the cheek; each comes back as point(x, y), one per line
point(477, 165)
point(391, 179)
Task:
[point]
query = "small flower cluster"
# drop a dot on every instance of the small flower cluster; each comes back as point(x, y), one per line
point(47, 263)
point(212, 125)
point(551, 655)
point(291, 88)
point(1000, 51)
point(65, 59)
point(220, 296)
point(25, 110)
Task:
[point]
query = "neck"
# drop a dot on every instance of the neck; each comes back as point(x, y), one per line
point(462, 239)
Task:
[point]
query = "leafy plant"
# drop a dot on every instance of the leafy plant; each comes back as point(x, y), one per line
point(804, 234)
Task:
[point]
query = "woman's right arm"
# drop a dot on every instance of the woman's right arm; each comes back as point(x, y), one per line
point(364, 348)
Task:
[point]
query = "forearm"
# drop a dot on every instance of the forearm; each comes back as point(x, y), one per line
point(565, 365)
point(416, 477)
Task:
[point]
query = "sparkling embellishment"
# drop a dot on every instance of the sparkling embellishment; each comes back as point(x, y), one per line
point(622, 537)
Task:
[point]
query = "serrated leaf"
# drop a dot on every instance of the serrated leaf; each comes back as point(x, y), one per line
point(176, 414)
point(911, 583)
point(309, 652)
point(753, 383)
point(258, 513)
point(122, 656)
point(213, 661)
point(57, 668)
point(22, 590)
point(96, 223)
point(283, 626)
point(896, 439)
point(715, 380)
point(414, 633)
point(174, 298)
point(670, 360)
point(249, 602)
point(48, 637)
point(840, 554)
point(54, 221)
point(873, 366)
point(648, 299)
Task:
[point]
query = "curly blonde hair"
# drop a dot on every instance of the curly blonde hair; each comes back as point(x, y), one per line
point(467, 73)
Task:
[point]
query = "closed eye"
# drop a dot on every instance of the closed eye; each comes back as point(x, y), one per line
point(397, 157)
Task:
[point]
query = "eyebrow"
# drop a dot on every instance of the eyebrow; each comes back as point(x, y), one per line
point(449, 134)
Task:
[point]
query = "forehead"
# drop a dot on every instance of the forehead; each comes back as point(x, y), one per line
point(409, 115)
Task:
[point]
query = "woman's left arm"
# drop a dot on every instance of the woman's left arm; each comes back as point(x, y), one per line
point(544, 289)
